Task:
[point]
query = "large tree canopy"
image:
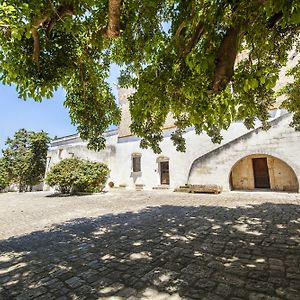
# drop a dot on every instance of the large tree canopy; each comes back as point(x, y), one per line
point(179, 55)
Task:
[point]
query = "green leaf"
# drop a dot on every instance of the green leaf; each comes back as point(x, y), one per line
point(28, 34)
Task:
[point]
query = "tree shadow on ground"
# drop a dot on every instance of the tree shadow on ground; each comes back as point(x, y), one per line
point(166, 252)
point(62, 195)
point(75, 194)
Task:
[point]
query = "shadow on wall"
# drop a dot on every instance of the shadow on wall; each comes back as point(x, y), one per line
point(248, 252)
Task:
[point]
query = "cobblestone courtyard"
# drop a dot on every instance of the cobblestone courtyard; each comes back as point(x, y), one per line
point(150, 245)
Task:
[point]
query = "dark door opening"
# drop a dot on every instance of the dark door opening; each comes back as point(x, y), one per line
point(164, 173)
point(261, 173)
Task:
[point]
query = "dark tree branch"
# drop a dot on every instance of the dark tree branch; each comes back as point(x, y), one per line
point(36, 38)
point(178, 33)
point(114, 13)
point(226, 56)
point(195, 38)
point(62, 12)
point(36, 45)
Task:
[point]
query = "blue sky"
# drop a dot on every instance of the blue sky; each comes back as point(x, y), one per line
point(49, 115)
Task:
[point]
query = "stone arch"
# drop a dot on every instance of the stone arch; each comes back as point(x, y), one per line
point(279, 176)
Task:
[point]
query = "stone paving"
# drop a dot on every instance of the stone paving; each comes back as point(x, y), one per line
point(186, 247)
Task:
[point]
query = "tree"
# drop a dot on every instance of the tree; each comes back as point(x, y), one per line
point(4, 179)
point(77, 175)
point(179, 55)
point(25, 157)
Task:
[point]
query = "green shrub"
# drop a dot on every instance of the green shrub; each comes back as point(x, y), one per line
point(91, 177)
point(77, 175)
point(63, 175)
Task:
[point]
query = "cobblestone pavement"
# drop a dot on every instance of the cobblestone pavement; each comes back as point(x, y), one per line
point(150, 245)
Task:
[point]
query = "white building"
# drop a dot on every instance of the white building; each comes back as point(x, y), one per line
point(246, 159)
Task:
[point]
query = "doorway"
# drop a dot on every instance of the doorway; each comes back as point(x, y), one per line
point(164, 173)
point(261, 173)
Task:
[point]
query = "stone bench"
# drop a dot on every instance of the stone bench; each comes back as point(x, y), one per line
point(206, 188)
point(200, 188)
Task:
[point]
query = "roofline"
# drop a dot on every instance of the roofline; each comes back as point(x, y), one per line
point(66, 137)
point(77, 135)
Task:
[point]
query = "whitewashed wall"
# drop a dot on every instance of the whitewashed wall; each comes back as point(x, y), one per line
point(280, 141)
point(118, 156)
point(202, 163)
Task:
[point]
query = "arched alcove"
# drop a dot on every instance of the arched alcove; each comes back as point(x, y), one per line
point(262, 171)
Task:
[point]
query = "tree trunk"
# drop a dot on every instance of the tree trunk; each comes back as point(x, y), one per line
point(114, 13)
point(227, 53)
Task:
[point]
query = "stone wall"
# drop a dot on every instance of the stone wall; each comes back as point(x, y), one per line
point(280, 141)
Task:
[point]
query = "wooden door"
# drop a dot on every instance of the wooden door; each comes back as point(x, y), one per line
point(164, 173)
point(261, 173)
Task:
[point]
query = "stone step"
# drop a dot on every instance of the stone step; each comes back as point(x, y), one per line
point(161, 187)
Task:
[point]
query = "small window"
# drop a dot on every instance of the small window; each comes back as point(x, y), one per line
point(136, 163)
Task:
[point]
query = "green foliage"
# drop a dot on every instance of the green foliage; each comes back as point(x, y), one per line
point(64, 174)
point(78, 175)
point(25, 157)
point(4, 179)
point(179, 56)
point(292, 101)
point(91, 177)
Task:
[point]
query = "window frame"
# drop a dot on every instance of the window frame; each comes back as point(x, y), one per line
point(136, 163)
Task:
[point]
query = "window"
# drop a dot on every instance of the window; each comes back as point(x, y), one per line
point(136, 163)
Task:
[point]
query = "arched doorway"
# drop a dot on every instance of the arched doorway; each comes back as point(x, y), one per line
point(259, 171)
